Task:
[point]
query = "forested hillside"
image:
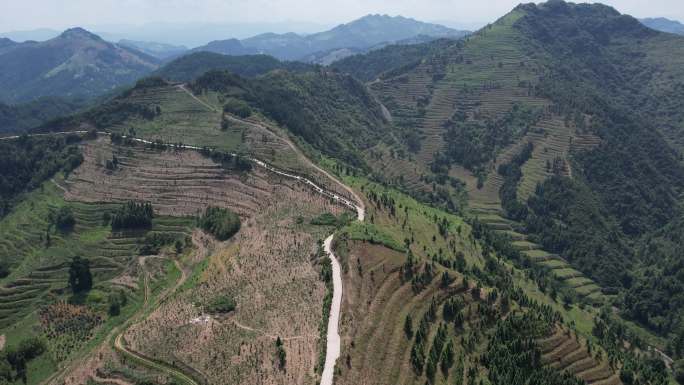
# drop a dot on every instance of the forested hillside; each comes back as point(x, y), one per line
point(192, 66)
point(595, 93)
point(77, 63)
point(26, 116)
point(518, 200)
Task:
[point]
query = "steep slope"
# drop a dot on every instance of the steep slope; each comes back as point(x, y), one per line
point(162, 290)
point(368, 66)
point(76, 63)
point(26, 116)
point(556, 90)
point(7, 44)
point(327, 111)
point(464, 270)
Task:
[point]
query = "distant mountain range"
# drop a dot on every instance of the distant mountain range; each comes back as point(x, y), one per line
point(343, 40)
point(158, 50)
point(664, 25)
point(80, 64)
point(77, 63)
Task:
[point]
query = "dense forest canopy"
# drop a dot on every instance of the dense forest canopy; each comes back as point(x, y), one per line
point(27, 162)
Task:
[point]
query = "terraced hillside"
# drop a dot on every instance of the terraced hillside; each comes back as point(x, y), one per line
point(377, 349)
point(476, 86)
point(171, 113)
point(275, 253)
point(440, 285)
point(267, 270)
point(40, 257)
point(42, 264)
point(566, 352)
point(477, 79)
point(550, 147)
point(384, 283)
point(179, 183)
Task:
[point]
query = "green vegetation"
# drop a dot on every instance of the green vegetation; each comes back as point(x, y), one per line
point(191, 66)
point(27, 162)
point(280, 353)
point(221, 223)
point(26, 116)
point(80, 278)
point(514, 358)
point(362, 231)
point(329, 219)
point(332, 112)
point(64, 219)
point(153, 242)
point(368, 67)
point(512, 174)
point(612, 334)
point(474, 143)
point(132, 215)
point(221, 305)
point(116, 301)
point(228, 161)
point(566, 219)
point(237, 107)
point(653, 289)
point(41, 264)
point(14, 360)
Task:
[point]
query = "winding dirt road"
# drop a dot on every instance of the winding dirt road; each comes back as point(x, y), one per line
point(120, 344)
point(333, 344)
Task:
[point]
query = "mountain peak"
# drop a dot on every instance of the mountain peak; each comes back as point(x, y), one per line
point(377, 17)
point(79, 33)
point(664, 24)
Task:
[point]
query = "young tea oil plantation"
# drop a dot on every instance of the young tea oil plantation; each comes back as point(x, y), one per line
point(498, 208)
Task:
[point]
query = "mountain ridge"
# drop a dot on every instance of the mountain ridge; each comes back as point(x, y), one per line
point(664, 25)
point(77, 63)
point(363, 33)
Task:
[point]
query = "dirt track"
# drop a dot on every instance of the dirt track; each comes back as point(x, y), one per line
point(333, 338)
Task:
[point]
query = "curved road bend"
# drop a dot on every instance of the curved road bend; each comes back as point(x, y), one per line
point(333, 343)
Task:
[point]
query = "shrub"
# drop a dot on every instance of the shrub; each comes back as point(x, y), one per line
point(64, 219)
point(80, 278)
point(116, 302)
point(152, 243)
point(4, 269)
point(280, 352)
point(679, 371)
point(221, 304)
point(237, 107)
point(27, 162)
point(329, 219)
point(133, 215)
point(221, 223)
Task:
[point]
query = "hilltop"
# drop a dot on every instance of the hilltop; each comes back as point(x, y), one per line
point(76, 63)
point(541, 106)
point(664, 25)
point(362, 34)
point(159, 50)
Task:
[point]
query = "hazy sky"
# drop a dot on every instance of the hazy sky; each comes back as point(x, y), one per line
point(59, 14)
